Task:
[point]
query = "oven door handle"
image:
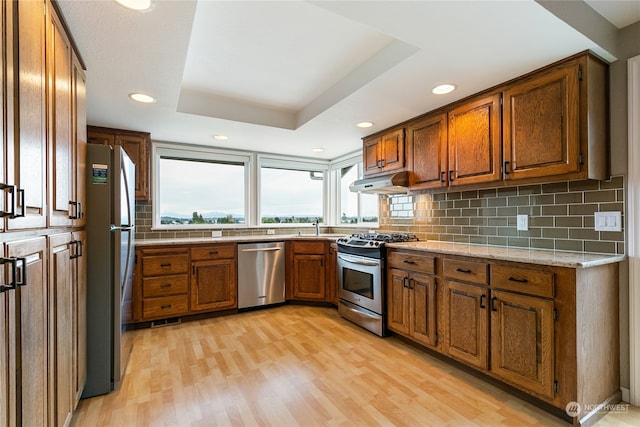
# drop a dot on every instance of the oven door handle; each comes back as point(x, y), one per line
point(358, 261)
point(354, 308)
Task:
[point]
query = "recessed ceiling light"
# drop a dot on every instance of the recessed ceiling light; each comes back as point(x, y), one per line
point(139, 5)
point(141, 97)
point(442, 89)
point(221, 137)
point(318, 150)
point(365, 124)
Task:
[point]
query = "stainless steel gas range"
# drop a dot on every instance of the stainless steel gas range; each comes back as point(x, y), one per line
point(361, 277)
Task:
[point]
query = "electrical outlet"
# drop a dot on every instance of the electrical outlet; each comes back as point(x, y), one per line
point(608, 221)
point(216, 233)
point(271, 231)
point(522, 223)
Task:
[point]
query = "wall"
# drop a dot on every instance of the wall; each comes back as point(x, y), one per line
point(560, 216)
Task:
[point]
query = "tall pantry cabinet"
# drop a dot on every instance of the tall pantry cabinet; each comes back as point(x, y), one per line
point(42, 267)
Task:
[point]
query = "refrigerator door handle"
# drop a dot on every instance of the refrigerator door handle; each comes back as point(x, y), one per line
point(121, 227)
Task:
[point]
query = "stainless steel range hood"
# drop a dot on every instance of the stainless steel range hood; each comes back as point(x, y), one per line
point(386, 184)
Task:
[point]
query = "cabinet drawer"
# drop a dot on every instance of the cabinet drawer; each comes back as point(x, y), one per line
point(160, 265)
point(467, 271)
point(413, 262)
point(213, 252)
point(534, 282)
point(165, 285)
point(308, 248)
point(154, 308)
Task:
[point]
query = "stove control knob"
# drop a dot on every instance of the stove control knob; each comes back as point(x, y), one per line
point(377, 243)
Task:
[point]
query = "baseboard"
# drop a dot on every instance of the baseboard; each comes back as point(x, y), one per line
point(626, 394)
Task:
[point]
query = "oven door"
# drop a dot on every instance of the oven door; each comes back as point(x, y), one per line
point(360, 280)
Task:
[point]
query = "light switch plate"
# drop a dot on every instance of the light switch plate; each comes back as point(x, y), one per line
point(523, 223)
point(271, 231)
point(608, 221)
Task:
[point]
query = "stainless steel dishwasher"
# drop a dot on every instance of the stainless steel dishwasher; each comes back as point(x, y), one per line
point(260, 274)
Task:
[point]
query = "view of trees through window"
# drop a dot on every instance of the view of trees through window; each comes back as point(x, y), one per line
point(201, 192)
point(289, 196)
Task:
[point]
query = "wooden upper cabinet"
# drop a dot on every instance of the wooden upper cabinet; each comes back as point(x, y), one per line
point(427, 152)
point(546, 128)
point(79, 117)
point(137, 145)
point(26, 152)
point(474, 141)
point(385, 153)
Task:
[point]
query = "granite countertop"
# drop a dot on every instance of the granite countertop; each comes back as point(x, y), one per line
point(531, 256)
point(236, 239)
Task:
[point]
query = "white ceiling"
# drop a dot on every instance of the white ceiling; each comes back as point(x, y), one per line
point(286, 77)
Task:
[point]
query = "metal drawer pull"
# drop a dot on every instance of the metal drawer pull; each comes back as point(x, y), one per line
point(165, 285)
point(482, 302)
point(165, 306)
point(166, 265)
point(213, 252)
point(513, 279)
point(493, 304)
point(14, 271)
point(463, 270)
point(408, 261)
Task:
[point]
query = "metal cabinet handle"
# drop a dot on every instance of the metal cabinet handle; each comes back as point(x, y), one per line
point(165, 265)
point(408, 261)
point(514, 279)
point(77, 252)
point(213, 252)
point(13, 262)
point(165, 285)
point(483, 297)
point(442, 175)
point(505, 169)
point(493, 304)
point(463, 270)
point(12, 189)
point(165, 306)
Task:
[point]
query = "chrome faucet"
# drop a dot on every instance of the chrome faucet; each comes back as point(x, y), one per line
point(317, 224)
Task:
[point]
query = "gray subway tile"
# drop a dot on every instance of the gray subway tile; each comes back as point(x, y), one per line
point(470, 194)
point(498, 201)
point(542, 243)
point(518, 242)
point(461, 203)
point(568, 198)
point(497, 241)
point(568, 245)
point(584, 185)
point(568, 221)
point(555, 233)
point(511, 211)
point(583, 234)
point(614, 182)
point(602, 247)
point(599, 196)
point(518, 201)
point(507, 192)
point(617, 236)
point(530, 189)
point(584, 209)
point(544, 199)
point(554, 210)
point(556, 187)
point(541, 221)
point(456, 195)
point(478, 240)
point(478, 220)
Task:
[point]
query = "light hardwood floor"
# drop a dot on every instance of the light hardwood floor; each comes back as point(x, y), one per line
point(299, 366)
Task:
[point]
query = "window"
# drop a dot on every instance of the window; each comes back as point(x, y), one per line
point(355, 208)
point(194, 189)
point(291, 196)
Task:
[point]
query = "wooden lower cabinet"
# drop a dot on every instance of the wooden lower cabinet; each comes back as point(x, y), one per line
point(551, 332)
point(466, 323)
point(213, 285)
point(26, 311)
point(412, 298)
point(308, 270)
point(332, 274)
point(522, 341)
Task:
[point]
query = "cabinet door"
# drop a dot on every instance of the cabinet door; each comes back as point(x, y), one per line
point(79, 117)
point(308, 277)
point(26, 154)
point(103, 138)
point(7, 340)
point(427, 148)
point(61, 328)
point(474, 142)
point(392, 151)
point(371, 156)
point(398, 301)
point(61, 148)
point(28, 320)
point(332, 274)
point(79, 275)
point(137, 149)
point(541, 125)
point(423, 313)
point(522, 341)
point(466, 323)
point(213, 285)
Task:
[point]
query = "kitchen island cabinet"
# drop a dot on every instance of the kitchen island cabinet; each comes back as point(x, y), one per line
point(545, 323)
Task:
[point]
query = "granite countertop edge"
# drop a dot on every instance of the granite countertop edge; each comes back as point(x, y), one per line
point(524, 255)
point(235, 239)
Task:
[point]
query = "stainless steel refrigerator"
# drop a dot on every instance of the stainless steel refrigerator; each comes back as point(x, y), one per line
point(110, 213)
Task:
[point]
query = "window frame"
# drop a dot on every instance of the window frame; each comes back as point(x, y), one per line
point(336, 166)
point(188, 152)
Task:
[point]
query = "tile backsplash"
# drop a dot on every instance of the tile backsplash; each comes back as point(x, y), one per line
point(561, 215)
